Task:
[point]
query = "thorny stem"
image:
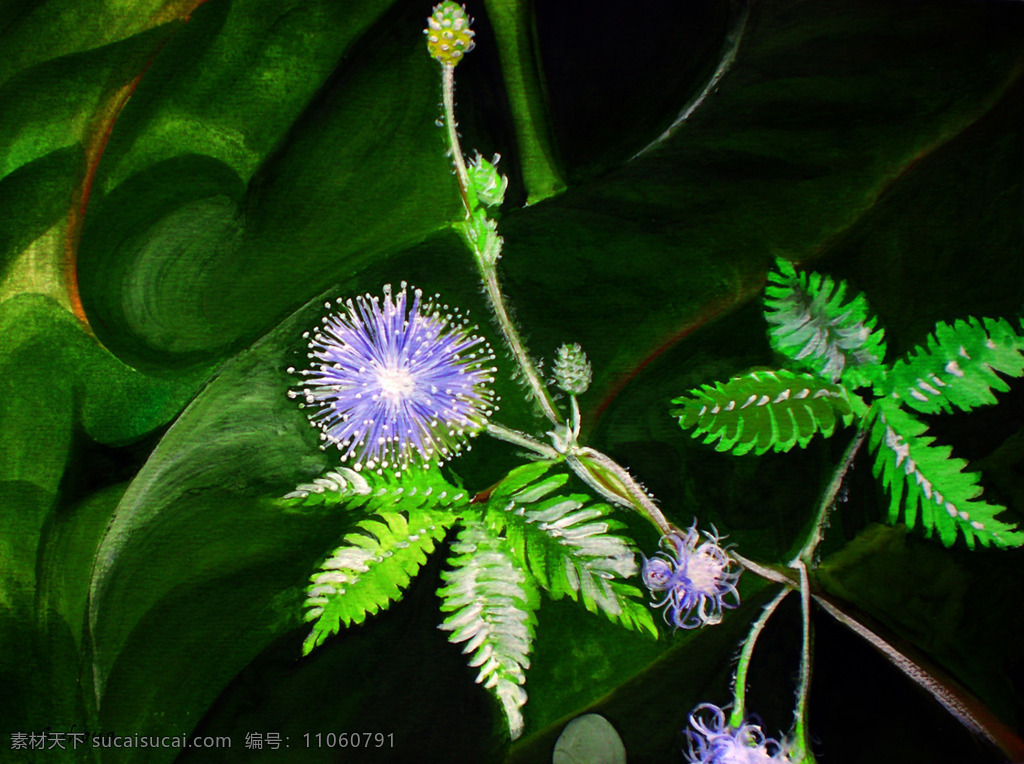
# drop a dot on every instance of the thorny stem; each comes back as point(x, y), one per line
point(488, 269)
point(802, 752)
point(765, 572)
point(959, 702)
point(613, 482)
point(598, 471)
point(829, 497)
point(740, 682)
point(521, 439)
point(448, 97)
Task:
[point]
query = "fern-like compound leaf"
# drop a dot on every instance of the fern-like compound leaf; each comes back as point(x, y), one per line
point(492, 602)
point(930, 486)
point(813, 324)
point(343, 486)
point(766, 410)
point(569, 545)
point(958, 366)
point(339, 486)
point(370, 570)
point(379, 556)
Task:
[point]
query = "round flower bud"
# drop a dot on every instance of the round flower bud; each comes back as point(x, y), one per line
point(449, 37)
point(572, 370)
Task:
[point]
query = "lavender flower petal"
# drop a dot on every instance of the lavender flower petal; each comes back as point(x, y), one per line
point(713, 741)
point(696, 575)
point(394, 381)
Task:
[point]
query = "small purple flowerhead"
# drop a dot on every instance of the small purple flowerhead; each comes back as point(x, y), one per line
point(713, 741)
point(393, 382)
point(698, 579)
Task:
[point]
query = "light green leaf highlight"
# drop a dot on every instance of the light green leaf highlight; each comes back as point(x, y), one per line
point(766, 410)
point(810, 323)
point(958, 366)
point(492, 601)
point(932, 487)
point(568, 546)
point(369, 571)
point(383, 552)
point(419, 488)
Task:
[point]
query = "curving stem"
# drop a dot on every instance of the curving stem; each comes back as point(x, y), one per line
point(739, 690)
point(829, 497)
point(614, 483)
point(487, 265)
point(801, 741)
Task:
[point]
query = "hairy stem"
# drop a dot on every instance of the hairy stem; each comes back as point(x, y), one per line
point(487, 266)
point(489, 275)
point(613, 482)
point(783, 576)
point(739, 690)
point(829, 496)
point(802, 751)
point(958, 701)
point(522, 440)
point(451, 126)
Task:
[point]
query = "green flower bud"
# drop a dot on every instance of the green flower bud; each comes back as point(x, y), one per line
point(481, 233)
point(572, 370)
point(488, 184)
point(449, 37)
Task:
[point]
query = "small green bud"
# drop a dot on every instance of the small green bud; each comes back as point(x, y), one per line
point(488, 184)
point(482, 235)
point(449, 37)
point(572, 370)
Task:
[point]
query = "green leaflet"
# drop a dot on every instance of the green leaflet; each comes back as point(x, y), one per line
point(764, 410)
point(810, 324)
point(957, 366)
point(419, 488)
point(932, 487)
point(383, 552)
point(370, 570)
point(568, 546)
point(492, 602)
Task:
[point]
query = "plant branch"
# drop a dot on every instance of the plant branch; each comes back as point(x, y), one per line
point(451, 126)
point(522, 440)
point(487, 265)
point(800, 736)
point(739, 691)
point(957, 700)
point(613, 482)
point(829, 497)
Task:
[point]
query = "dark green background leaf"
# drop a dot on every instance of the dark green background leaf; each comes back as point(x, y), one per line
point(271, 155)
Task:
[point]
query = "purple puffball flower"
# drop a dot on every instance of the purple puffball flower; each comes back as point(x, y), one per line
point(394, 381)
point(712, 741)
point(697, 576)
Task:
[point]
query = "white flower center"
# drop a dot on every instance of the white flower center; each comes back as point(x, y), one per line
point(395, 383)
point(738, 753)
point(704, 572)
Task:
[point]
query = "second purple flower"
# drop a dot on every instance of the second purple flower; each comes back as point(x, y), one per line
point(695, 577)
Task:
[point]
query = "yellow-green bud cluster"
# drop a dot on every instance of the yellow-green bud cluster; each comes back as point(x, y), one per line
point(572, 370)
point(449, 37)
